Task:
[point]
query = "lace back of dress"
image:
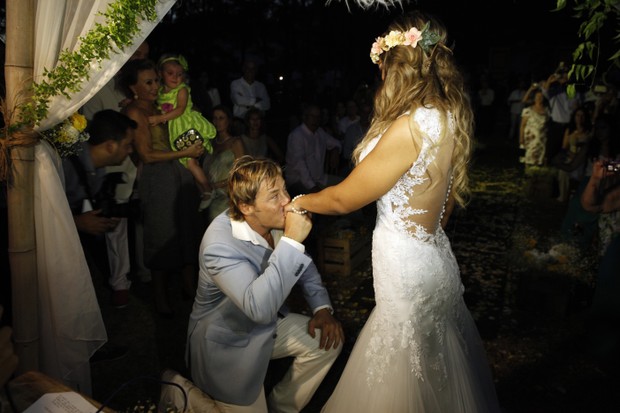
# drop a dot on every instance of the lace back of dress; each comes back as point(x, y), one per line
point(418, 199)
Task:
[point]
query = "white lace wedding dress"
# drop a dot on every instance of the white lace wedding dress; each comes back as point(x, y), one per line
point(420, 350)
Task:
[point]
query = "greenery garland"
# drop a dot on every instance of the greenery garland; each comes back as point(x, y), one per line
point(121, 25)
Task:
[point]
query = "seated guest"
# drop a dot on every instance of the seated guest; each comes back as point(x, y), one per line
point(256, 141)
point(251, 256)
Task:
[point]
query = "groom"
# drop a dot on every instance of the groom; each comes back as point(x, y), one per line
point(251, 256)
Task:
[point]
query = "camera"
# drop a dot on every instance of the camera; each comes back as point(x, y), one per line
point(612, 166)
point(105, 201)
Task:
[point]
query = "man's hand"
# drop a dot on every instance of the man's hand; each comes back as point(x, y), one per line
point(296, 226)
point(332, 334)
point(92, 223)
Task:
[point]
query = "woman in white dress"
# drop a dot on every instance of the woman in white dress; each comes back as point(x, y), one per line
point(533, 131)
point(420, 350)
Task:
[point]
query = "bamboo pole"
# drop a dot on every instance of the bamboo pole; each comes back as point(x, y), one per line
point(22, 246)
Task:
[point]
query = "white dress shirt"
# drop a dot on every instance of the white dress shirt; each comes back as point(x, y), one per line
point(305, 156)
point(245, 95)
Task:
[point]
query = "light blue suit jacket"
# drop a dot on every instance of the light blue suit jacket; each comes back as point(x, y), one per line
point(232, 327)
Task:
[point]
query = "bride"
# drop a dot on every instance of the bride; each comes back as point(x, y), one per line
point(420, 350)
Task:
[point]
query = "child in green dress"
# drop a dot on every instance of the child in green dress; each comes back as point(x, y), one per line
point(185, 124)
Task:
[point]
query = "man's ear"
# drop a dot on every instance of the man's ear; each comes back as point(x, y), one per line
point(111, 145)
point(246, 209)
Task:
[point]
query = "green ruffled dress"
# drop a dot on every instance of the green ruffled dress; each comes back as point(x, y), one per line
point(190, 119)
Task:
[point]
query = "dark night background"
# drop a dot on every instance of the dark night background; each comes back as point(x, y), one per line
point(322, 50)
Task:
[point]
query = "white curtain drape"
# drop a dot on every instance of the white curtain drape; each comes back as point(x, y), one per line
point(72, 328)
point(58, 26)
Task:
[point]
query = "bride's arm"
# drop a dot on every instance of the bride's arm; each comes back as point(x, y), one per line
point(370, 179)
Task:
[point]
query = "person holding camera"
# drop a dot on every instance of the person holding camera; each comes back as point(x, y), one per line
point(602, 196)
point(90, 191)
point(561, 107)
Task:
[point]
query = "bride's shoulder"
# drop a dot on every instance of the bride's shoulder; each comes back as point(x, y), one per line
point(423, 113)
point(421, 116)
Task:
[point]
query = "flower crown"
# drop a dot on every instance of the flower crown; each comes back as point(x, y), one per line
point(412, 37)
point(180, 59)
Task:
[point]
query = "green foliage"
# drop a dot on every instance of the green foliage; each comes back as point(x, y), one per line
point(121, 25)
point(595, 15)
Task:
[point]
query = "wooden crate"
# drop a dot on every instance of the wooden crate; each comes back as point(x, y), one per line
point(341, 255)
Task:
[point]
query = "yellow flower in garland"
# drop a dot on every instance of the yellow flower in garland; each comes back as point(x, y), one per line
point(66, 136)
point(78, 121)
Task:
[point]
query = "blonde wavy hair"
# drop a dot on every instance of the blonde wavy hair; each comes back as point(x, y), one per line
point(245, 178)
point(416, 78)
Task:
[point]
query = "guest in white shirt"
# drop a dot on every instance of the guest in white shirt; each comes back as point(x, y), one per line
point(562, 107)
point(306, 152)
point(247, 92)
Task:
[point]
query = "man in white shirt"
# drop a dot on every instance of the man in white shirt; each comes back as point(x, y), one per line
point(307, 148)
point(247, 92)
point(561, 106)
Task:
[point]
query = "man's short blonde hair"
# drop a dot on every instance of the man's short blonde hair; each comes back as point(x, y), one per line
point(245, 178)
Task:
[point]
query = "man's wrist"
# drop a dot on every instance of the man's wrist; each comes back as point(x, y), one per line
point(324, 307)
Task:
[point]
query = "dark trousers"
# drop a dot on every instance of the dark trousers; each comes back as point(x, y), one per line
point(555, 136)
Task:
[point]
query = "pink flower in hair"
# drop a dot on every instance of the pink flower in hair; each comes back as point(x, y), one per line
point(377, 48)
point(412, 37)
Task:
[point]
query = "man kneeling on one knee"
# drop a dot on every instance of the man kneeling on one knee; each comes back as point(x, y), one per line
point(251, 256)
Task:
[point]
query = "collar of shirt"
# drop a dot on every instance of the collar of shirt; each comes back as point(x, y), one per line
point(242, 231)
point(307, 130)
point(245, 82)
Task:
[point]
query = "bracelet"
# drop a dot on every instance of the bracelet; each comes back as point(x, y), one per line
point(294, 209)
